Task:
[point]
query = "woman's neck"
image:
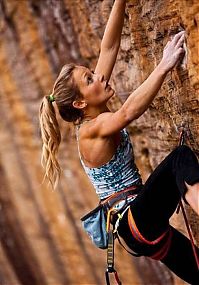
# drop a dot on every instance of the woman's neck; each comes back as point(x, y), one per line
point(94, 113)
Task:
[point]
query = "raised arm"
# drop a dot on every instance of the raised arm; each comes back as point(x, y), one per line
point(111, 40)
point(138, 102)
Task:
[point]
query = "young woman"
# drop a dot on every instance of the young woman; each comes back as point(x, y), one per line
point(106, 152)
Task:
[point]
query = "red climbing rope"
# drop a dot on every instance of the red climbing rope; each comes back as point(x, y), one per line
point(181, 142)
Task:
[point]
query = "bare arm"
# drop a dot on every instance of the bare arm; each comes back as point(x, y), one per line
point(111, 40)
point(138, 102)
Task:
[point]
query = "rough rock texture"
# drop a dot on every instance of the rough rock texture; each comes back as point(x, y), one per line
point(41, 237)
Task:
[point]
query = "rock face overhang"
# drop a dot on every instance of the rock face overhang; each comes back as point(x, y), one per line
point(41, 236)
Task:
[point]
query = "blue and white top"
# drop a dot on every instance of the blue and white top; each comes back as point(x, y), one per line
point(117, 174)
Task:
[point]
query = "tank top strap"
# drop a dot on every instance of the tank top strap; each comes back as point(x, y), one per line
point(77, 132)
point(77, 129)
point(77, 138)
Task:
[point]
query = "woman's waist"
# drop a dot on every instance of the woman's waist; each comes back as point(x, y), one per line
point(125, 195)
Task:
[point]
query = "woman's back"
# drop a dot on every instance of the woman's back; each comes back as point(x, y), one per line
point(118, 172)
point(96, 151)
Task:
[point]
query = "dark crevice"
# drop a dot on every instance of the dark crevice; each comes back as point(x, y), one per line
point(8, 20)
point(14, 242)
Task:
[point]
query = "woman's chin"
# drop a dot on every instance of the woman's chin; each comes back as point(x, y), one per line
point(112, 92)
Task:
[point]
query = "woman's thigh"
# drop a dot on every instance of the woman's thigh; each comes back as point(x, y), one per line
point(162, 191)
point(157, 200)
point(179, 256)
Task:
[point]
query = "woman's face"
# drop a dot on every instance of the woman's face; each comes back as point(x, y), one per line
point(94, 89)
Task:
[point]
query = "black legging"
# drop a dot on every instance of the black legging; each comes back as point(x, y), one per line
point(154, 206)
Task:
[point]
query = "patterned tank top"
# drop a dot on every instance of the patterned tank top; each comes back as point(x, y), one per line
point(117, 174)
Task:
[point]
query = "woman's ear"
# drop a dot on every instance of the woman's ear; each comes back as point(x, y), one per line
point(79, 104)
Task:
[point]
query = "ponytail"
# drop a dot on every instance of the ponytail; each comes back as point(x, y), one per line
point(65, 91)
point(51, 138)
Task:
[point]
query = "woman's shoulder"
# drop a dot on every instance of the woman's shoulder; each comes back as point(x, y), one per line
point(88, 128)
point(96, 128)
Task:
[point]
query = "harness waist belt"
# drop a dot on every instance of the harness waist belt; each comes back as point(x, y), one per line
point(121, 195)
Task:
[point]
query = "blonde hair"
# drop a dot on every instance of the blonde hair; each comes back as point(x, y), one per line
point(65, 91)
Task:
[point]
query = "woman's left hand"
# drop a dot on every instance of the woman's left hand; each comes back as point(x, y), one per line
point(173, 52)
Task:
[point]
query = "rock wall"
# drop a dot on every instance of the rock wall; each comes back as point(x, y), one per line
point(41, 237)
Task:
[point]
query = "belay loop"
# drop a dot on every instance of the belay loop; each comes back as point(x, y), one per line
point(181, 142)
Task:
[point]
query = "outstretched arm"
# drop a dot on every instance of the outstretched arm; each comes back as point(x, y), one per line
point(138, 102)
point(111, 40)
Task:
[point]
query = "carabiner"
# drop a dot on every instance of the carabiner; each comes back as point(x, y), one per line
point(112, 270)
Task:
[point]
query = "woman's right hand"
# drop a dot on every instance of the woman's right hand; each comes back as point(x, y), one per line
point(173, 52)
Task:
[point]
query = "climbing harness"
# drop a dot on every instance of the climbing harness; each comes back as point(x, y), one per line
point(94, 222)
point(100, 227)
point(112, 229)
point(180, 206)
